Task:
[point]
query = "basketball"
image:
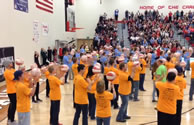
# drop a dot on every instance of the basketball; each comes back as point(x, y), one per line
point(96, 69)
point(19, 61)
point(183, 64)
point(33, 66)
point(35, 72)
point(173, 70)
point(84, 58)
point(64, 68)
point(110, 76)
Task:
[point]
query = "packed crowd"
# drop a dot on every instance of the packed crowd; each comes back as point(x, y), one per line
point(106, 72)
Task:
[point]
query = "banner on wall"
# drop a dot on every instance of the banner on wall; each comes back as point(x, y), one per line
point(36, 34)
point(45, 29)
point(6, 53)
point(21, 5)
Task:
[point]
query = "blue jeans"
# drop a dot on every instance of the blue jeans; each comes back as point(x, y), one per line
point(141, 82)
point(123, 109)
point(136, 89)
point(23, 118)
point(191, 91)
point(154, 91)
point(188, 65)
point(100, 121)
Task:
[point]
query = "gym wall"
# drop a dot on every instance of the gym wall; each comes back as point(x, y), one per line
point(88, 11)
point(16, 28)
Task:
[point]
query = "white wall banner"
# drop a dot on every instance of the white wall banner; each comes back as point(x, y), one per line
point(45, 29)
point(36, 34)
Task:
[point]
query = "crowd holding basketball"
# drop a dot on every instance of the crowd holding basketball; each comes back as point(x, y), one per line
point(106, 72)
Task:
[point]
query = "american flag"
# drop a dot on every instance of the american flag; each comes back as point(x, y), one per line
point(45, 5)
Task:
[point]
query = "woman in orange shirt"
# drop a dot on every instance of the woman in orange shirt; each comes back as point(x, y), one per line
point(92, 78)
point(103, 98)
point(11, 91)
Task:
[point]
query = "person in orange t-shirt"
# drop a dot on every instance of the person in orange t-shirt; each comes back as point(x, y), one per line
point(103, 98)
point(181, 83)
point(142, 74)
point(23, 93)
point(75, 73)
point(81, 96)
point(169, 64)
point(55, 94)
point(167, 101)
point(137, 69)
point(11, 90)
point(124, 91)
point(115, 82)
point(91, 77)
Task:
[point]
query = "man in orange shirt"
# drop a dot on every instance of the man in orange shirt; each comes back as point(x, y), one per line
point(167, 101)
point(23, 93)
point(142, 74)
point(115, 82)
point(81, 96)
point(137, 69)
point(11, 91)
point(124, 91)
point(55, 95)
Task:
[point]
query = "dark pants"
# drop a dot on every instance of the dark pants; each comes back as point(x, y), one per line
point(84, 109)
point(123, 109)
point(115, 101)
point(74, 96)
point(12, 107)
point(66, 76)
point(54, 112)
point(47, 88)
point(92, 105)
point(100, 121)
point(141, 82)
point(36, 93)
point(106, 82)
point(49, 58)
point(44, 62)
point(166, 119)
point(191, 91)
point(178, 112)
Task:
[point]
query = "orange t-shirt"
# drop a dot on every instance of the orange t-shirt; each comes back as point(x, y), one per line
point(106, 70)
point(143, 62)
point(10, 83)
point(192, 70)
point(168, 97)
point(130, 65)
point(47, 74)
point(23, 97)
point(116, 71)
point(93, 89)
point(181, 83)
point(103, 105)
point(169, 65)
point(55, 91)
point(81, 85)
point(137, 73)
point(124, 84)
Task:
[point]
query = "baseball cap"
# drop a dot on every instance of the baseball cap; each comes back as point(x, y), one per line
point(17, 74)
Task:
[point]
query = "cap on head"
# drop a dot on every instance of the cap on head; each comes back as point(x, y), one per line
point(17, 74)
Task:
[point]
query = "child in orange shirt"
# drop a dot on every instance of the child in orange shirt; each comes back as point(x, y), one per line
point(55, 95)
point(103, 98)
